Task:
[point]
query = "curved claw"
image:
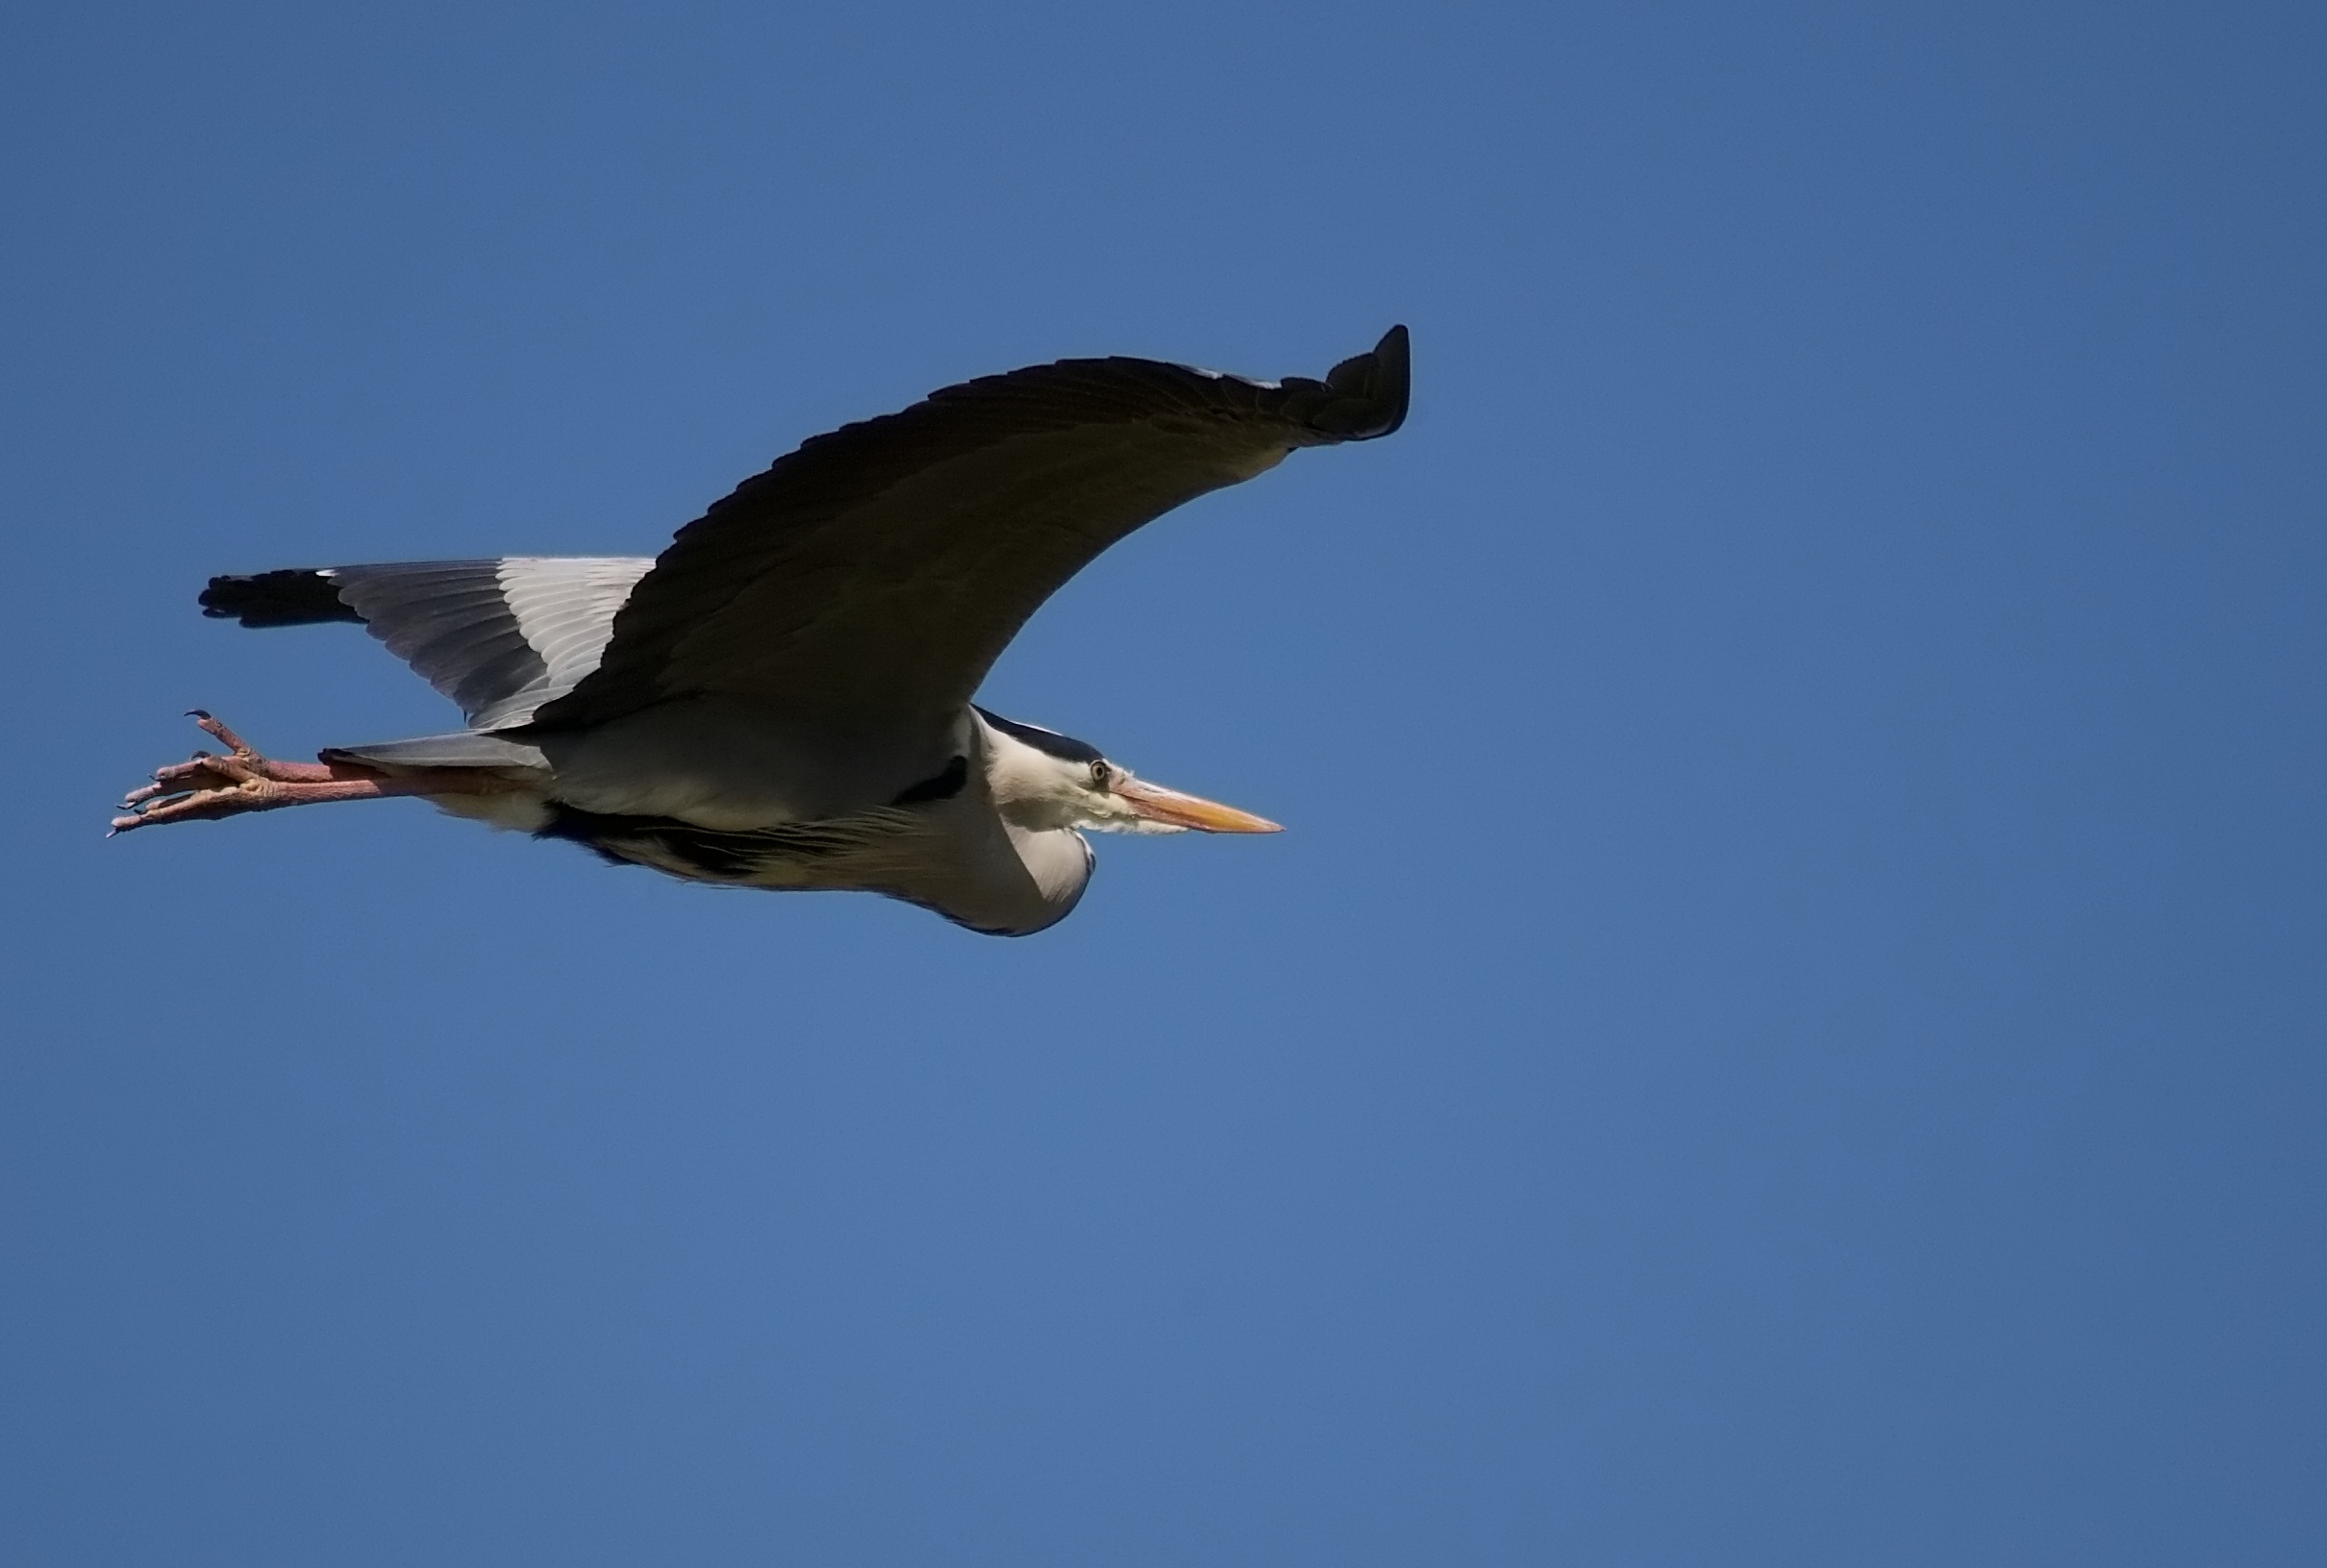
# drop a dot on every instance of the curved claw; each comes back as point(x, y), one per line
point(225, 737)
point(206, 786)
point(198, 805)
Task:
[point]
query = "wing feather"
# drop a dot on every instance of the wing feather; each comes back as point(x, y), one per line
point(499, 637)
point(877, 571)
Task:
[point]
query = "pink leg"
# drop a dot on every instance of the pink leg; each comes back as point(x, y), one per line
point(209, 787)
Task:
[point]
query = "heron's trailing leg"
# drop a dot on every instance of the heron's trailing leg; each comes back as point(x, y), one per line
point(207, 772)
point(205, 787)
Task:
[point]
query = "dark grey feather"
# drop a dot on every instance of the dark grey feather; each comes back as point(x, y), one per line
point(296, 596)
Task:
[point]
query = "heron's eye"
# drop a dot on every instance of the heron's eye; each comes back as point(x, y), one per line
point(1098, 775)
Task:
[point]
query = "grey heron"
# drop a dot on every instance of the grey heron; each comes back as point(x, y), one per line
point(782, 698)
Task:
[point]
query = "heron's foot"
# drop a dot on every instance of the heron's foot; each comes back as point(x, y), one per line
point(205, 787)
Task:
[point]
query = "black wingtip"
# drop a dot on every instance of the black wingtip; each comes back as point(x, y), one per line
point(299, 596)
point(1372, 391)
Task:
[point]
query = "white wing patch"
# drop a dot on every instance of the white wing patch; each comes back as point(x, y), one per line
point(564, 606)
point(500, 637)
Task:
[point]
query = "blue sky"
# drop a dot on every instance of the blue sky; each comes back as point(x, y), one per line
point(1787, 1026)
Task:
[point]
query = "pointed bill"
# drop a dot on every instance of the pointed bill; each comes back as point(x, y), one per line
point(1157, 804)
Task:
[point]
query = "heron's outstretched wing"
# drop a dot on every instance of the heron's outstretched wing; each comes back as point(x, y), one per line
point(500, 637)
point(875, 573)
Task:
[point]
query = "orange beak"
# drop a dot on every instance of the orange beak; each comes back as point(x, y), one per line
point(1157, 804)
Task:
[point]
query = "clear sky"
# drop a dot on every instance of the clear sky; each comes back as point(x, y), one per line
point(1785, 1027)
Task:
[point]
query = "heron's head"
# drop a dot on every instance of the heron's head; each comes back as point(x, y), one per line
point(1044, 781)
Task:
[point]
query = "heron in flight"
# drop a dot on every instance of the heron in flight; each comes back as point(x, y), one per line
point(782, 698)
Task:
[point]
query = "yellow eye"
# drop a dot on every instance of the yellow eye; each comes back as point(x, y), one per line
point(1098, 775)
